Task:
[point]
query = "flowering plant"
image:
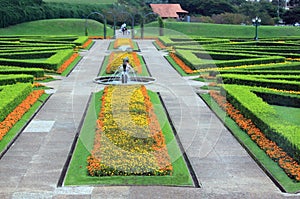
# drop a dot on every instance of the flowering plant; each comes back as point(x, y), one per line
point(128, 140)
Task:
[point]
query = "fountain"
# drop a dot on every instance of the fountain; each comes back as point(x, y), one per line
point(124, 75)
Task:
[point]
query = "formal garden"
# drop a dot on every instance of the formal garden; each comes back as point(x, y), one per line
point(256, 83)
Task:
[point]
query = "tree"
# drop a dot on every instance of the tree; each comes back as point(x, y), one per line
point(292, 16)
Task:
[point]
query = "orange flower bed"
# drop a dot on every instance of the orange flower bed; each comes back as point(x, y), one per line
point(287, 163)
point(86, 44)
point(160, 44)
point(67, 63)
point(18, 113)
point(182, 65)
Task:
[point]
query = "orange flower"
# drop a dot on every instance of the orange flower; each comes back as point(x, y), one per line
point(66, 64)
point(182, 65)
point(287, 163)
point(86, 44)
point(18, 112)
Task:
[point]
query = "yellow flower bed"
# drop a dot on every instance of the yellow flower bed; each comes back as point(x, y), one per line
point(128, 139)
point(123, 42)
point(116, 60)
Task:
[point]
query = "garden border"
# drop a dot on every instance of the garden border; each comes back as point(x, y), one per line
point(22, 129)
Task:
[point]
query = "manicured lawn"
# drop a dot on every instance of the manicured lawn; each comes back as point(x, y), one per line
point(229, 30)
point(58, 27)
point(289, 114)
point(77, 172)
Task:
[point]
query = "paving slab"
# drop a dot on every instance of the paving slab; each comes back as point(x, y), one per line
point(32, 166)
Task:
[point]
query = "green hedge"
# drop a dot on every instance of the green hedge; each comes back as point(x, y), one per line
point(36, 72)
point(11, 96)
point(13, 79)
point(28, 55)
point(283, 99)
point(51, 63)
point(284, 133)
point(255, 81)
point(255, 72)
point(194, 62)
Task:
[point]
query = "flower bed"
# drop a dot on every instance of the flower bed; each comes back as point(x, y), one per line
point(180, 63)
point(160, 44)
point(67, 63)
point(116, 60)
point(288, 164)
point(87, 43)
point(128, 140)
point(123, 42)
point(18, 112)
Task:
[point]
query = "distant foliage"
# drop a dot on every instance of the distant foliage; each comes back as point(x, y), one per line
point(18, 11)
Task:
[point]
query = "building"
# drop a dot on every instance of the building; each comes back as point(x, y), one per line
point(169, 11)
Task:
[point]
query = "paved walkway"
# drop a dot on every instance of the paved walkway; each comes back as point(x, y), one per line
point(33, 165)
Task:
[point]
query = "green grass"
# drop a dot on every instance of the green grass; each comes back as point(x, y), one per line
point(77, 27)
point(289, 114)
point(230, 31)
point(20, 124)
point(56, 27)
point(93, 2)
point(77, 173)
point(260, 156)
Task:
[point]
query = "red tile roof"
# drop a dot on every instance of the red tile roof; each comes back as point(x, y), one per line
point(167, 10)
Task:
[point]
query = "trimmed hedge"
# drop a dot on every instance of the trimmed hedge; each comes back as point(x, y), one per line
point(11, 96)
point(191, 58)
point(13, 79)
point(28, 55)
point(36, 72)
point(285, 134)
point(51, 63)
point(255, 81)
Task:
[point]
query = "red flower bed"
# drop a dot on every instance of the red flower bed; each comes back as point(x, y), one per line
point(18, 113)
point(287, 163)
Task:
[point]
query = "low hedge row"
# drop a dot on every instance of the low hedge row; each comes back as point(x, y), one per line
point(6, 49)
point(254, 80)
point(192, 59)
point(51, 63)
point(28, 55)
point(280, 99)
point(13, 79)
point(255, 72)
point(11, 96)
point(36, 72)
point(285, 134)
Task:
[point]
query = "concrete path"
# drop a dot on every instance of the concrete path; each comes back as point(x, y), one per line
point(33, 165)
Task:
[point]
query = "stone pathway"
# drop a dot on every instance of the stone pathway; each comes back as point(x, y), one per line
point(32, 167)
